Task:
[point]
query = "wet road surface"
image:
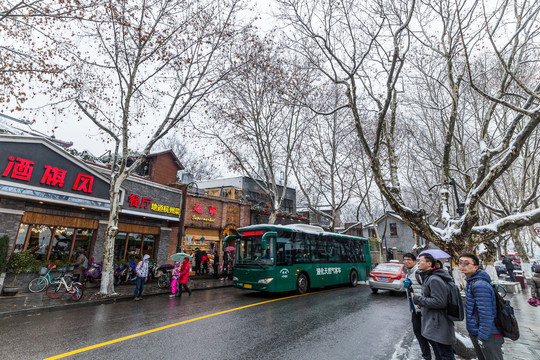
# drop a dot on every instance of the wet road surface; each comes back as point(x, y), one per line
point(228, 323)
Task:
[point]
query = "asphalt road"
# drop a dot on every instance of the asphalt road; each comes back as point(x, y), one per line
point(228, 323)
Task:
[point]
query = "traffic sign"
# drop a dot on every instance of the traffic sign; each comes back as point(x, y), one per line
point(537, 229)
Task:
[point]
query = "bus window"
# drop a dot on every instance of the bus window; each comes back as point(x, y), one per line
point(300, 249)
point(284, 249)
point(250, 251)
point(334, 250)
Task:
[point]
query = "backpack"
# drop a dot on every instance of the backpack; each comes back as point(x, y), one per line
point(505, 321)
point(455, 309)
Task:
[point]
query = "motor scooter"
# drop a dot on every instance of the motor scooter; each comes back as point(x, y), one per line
point(93, 272)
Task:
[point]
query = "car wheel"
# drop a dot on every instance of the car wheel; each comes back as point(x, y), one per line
point(374, 290)
point(302, 285)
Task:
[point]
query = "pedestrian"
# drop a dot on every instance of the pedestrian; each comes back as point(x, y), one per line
point(205, 261)
point(412, 285)
point(184, 278)
point(175, 276)
point(79, 266)
point(225, 266)
point(437, 328)
point(216, 264)
point(142, 273)
point(481, 309)
point(509, 264)
point(198, 260)
point(535, 288)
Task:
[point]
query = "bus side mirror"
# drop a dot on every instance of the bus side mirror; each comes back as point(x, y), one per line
point(263, 244)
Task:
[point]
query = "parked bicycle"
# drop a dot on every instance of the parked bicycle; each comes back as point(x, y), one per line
point(63, 286)
point(44, 280)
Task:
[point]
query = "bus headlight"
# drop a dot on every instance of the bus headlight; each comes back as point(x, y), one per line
point(265, 281)
point(235, 278)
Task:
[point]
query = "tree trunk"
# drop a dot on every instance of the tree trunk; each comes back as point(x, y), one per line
point(518, 244)
point(107, 275)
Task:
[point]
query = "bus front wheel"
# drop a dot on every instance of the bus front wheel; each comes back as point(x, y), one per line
point(302, 284)
point(353, 278)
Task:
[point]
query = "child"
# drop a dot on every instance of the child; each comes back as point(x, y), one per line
point(175, 276)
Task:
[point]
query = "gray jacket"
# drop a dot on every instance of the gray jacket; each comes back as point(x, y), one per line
point(434, 300)
point(416, 287)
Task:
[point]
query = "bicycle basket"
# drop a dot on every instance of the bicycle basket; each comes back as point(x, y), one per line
point(42, 270)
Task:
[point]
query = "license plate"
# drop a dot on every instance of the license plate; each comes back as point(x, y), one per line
point(383, 279)
point(248, 286)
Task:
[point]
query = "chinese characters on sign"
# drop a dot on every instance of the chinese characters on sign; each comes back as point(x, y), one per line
point(143, 202)
point(328, 271)
point(199, 210)
point(22, 169)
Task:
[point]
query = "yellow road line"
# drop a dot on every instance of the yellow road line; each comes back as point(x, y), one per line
point(78, 351)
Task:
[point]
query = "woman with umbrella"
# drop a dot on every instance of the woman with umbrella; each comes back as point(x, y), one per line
point(184, 277)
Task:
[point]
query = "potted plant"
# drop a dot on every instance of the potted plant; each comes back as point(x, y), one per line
point(4, 247)
point(18, 263)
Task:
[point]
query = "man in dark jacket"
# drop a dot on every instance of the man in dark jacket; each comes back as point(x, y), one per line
point(481, 310)
point(509, 264)
point(436, 327)
point(413, 286)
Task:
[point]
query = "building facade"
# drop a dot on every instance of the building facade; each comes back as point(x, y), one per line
point(54, 204)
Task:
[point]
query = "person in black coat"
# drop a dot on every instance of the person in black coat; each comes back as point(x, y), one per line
point(509, 264)
point(198, 260)
point(216, 264)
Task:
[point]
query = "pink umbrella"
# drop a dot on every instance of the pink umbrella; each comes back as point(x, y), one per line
point(229, 248)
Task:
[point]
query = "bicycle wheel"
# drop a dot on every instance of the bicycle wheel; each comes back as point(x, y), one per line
point(163, 281)
point(54, 291)
point(501, 290)
point(38, 284)
point(77, 293)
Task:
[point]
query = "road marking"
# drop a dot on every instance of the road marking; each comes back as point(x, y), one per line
point(78, 351)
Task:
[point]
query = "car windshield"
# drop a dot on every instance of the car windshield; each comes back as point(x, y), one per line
point(388, 268)
point(249, 251)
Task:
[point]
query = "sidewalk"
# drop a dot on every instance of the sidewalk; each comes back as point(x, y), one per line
point(27, 303)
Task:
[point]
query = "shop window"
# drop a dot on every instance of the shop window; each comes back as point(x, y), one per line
point(120, 245)
point(62, 243)
point(21, 238)
point(393, 229)
point(83, 240)
point(148, 245)
point(134, 247)
point(40, 241)
point(52, 243)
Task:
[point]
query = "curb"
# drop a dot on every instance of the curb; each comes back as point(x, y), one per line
point(75, 305)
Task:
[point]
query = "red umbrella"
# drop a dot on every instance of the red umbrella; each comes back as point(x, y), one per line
point(229, 248)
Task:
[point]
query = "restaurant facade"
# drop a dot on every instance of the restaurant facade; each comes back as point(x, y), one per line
point(54, 204)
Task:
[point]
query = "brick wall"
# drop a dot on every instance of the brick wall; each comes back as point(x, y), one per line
point(163, 169)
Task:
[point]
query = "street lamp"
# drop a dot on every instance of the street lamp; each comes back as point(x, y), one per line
point(185, 188)
point(460, 206)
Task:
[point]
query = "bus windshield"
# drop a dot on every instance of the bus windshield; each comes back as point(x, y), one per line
point(249, 251)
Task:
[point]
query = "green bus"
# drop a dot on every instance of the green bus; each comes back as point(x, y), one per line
point(278, 258)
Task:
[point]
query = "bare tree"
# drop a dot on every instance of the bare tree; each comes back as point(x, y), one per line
point(256, 122)
point(366, 47)
point(139, 68)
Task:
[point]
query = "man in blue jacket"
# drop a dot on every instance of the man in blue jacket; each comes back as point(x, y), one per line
point(481, 310)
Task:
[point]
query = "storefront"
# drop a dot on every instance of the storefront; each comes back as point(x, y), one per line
point(208, 220)
point(54, 204)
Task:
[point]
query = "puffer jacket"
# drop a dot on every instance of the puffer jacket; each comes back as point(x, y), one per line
point(436, 326)
point(481, 308)
point(416, 287)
